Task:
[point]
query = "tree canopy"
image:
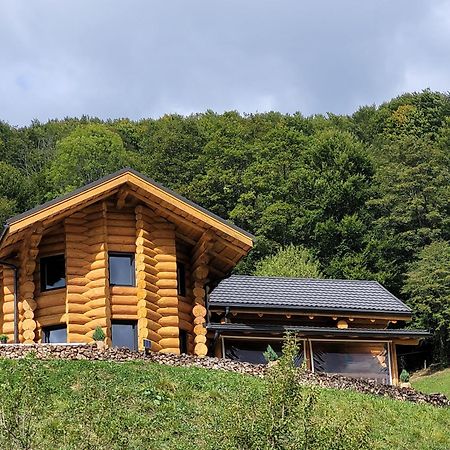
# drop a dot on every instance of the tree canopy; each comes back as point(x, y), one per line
point(366, 193)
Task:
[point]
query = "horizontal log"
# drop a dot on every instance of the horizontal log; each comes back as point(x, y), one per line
point(75, 338)
point(96, 293)
point(122, 240)
point(144, 313)
point(76, 280)
point(97, 274)
point(168, 332)
point(168, 293)
point(101, 282)
point(50, 310)
point(96, 313)
point(79, 319)
point(96, 303)
point(149, 277)
point(167, 283)
point(173, 350)
point(73, 297)
point(145, 333)
point(167, 302)
point(123, 299)
point(184, 316)
point(77, 308)
point(102, 322)
point(170, 342)
point(143, 294)
point(124, 309)
point(125, 248)
point(150, 287)
point(147, 304)
point(124, 316)
point(166, 257)
point(118, 230)
point(184, 307)
point(123, 290)
point(169, 321)
point(145, 259)
point(55, 319)
point(74, 328)
point(148, 324)
point(185, 325)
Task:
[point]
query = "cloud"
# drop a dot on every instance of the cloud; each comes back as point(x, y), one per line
point(144, 59)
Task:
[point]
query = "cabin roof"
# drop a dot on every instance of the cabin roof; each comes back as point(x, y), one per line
point(139, 185)
point(279, 293)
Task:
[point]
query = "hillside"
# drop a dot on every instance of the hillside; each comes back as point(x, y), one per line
point(436, 382)
point(83, 404)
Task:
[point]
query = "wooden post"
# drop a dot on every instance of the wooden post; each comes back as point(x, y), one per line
point(146, 276)
point(394, 363)
point(27, 303)
point(200, 272)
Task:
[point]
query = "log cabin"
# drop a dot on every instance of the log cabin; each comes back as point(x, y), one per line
point(152, 269)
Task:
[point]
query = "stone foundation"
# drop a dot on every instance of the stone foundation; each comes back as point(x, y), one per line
point(92, 353)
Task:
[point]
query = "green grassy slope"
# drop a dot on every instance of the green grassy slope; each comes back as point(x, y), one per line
point(83, 404)
point(437, 382)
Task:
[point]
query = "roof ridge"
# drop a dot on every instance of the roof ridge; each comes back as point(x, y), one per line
point(276, 277)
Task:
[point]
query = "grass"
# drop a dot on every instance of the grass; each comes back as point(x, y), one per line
point(437, 382)
point(135, 405)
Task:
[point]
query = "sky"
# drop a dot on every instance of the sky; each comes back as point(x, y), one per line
point(146, 58)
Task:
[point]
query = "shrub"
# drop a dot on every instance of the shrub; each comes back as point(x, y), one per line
point(404, 376)
point(270, 354)
point(291, 416)
point(3, 339)
point(99, 335)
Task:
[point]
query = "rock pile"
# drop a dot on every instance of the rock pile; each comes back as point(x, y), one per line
point(91, 352)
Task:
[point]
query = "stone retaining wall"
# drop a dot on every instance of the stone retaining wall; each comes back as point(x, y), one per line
point(91, 352)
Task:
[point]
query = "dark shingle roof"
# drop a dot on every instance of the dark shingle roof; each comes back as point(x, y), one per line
point(306, 294)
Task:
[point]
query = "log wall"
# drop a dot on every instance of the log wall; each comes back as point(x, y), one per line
point(7, 303)
point(146, 277)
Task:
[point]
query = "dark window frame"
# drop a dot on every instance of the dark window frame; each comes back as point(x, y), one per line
point(133, 323)
point(43, 265)
point(181, 279)
point(133, 267)
point(46, 330)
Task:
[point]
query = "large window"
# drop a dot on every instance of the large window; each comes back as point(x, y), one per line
point(54, 335)
point(252, 350)
point(53, 272)
point(352, 359)
point(124, 334)
point(121, 269)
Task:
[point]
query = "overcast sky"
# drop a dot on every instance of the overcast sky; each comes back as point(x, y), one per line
point(145, 58)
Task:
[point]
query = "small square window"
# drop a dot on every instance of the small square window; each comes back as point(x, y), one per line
point(54, 335)
point(124, 334)
point(121, 269)
point(181, 279)
point(53, 272)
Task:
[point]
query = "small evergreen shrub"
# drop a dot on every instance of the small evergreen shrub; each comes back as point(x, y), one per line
point(99, 335)
point(3, 339)
point(270, 354)
point(404, 376)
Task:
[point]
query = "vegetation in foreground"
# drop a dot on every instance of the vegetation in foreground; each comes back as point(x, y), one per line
point(102, 405)
point(436, 382)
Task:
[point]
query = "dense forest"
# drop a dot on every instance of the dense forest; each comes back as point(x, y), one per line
point(366, 194)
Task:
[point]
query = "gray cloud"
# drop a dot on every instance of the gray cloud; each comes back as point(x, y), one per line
point(147, 58)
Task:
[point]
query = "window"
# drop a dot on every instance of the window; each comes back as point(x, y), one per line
point(121, 269)
point(252, 350)
point(183, 341)
point(53, 272)
point(124, 334)
point(181, 278)
point(54, 335)
point(352, 359)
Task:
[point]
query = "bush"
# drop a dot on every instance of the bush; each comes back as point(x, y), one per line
point(3, 339)
point(270, 354)
point(291, 416)
point(99, 335)
point(404, 376)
